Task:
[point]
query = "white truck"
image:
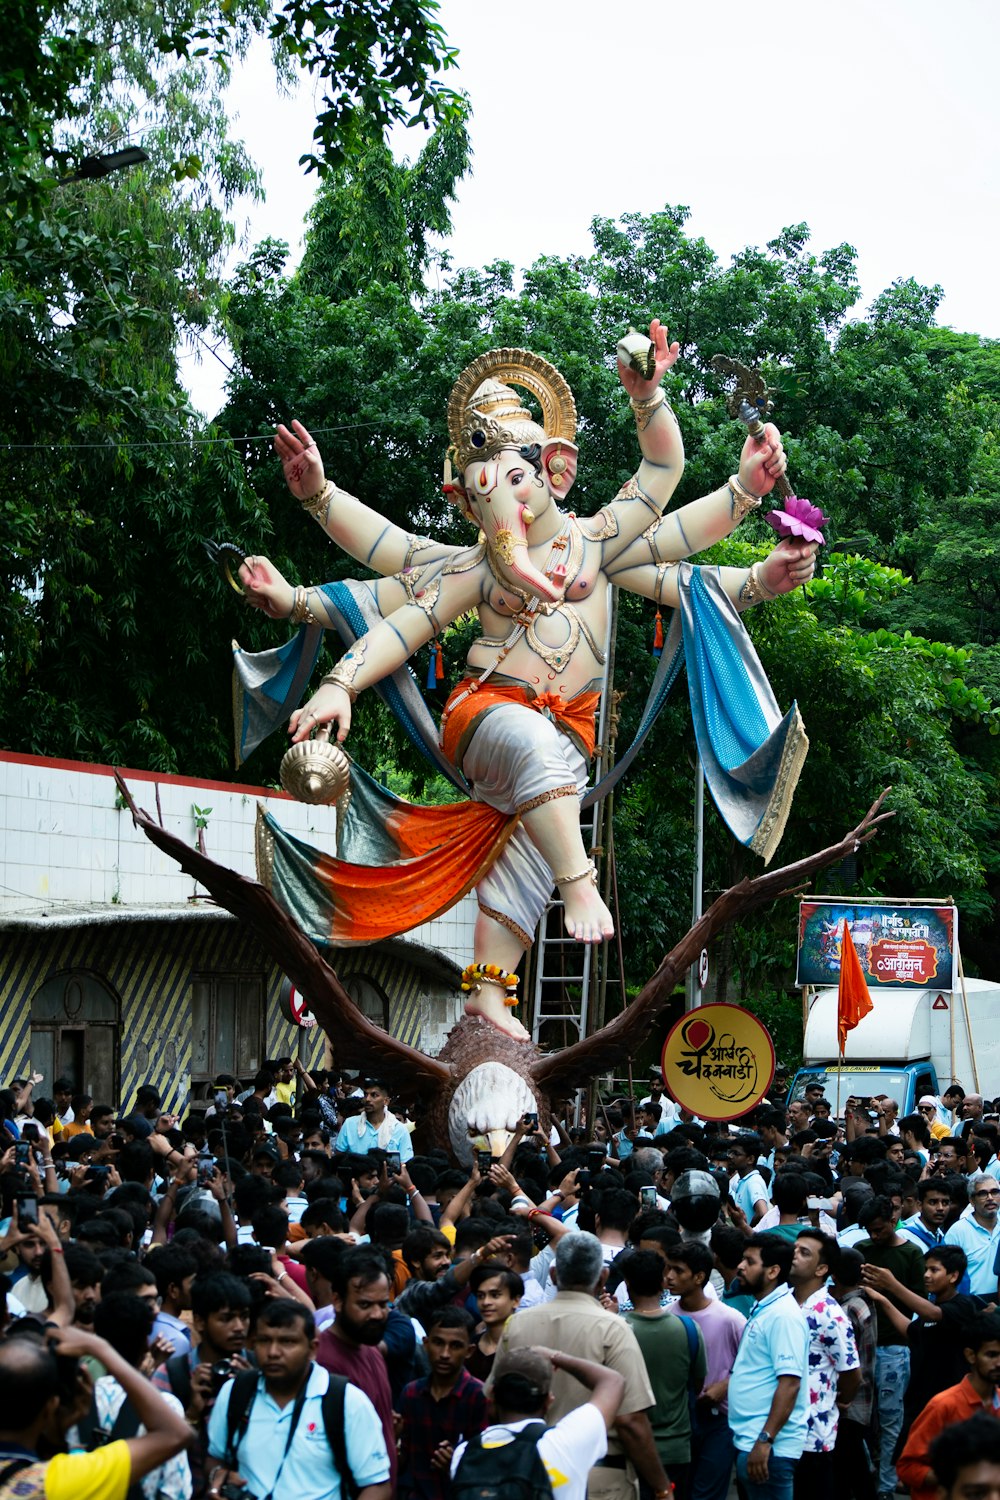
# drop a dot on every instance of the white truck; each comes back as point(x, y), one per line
point(912, 1042)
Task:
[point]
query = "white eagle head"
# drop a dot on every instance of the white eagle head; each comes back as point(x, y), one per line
point(485, 1108)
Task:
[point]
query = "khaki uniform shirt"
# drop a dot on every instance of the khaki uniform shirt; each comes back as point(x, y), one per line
point(575, 1323)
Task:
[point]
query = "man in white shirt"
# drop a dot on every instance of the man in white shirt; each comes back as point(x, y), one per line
point(521, 1391)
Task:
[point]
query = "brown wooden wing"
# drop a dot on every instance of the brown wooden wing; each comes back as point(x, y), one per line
point(358, 1042)
point(620, 1039)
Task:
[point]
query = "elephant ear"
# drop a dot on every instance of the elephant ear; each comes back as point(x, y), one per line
point(559, 460)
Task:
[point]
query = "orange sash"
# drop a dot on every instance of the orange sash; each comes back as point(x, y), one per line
point(576, 717)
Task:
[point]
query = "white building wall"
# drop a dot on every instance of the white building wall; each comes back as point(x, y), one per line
point(66, 843)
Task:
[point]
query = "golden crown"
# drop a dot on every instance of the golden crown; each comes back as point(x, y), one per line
point(485, 415)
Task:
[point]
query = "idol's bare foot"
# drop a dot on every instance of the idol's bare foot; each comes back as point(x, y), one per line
point(586, 917)
point(492, 1008)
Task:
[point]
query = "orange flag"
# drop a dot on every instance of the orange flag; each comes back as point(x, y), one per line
point(853, 999)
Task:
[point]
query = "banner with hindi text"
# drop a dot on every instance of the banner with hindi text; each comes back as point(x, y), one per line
point(910, 946)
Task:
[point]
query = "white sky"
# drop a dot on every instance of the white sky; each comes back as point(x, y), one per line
point(875, 121)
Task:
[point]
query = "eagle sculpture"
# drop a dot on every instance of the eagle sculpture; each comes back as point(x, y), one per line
point(483, 1080)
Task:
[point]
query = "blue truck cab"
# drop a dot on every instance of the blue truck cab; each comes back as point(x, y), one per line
point(904, 1082)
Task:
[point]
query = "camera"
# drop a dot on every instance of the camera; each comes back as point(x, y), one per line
point(221, 1371)
point(233, 1491)
point(97, 1174)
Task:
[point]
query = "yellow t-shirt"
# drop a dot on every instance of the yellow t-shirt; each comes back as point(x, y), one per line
point(104, 1474)
point(285, 1092)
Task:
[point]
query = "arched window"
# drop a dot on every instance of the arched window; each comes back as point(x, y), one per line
point(370, 998)
point(74, 1034)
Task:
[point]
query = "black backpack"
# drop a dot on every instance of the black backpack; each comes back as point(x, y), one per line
point(238, 1419)
point(510, 1471)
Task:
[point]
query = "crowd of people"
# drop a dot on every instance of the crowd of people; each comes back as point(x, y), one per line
point(279, 1298)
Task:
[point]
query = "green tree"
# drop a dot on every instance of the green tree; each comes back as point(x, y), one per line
point(108, 616)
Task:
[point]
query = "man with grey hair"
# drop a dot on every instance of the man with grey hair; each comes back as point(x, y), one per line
point(649, 1159)
point(575, 1323)
point(978, 1234)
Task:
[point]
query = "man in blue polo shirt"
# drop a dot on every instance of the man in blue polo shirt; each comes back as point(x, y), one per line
point(282, 1451)
point(376, 1128)
point(978, 1233)
point(769, 1385)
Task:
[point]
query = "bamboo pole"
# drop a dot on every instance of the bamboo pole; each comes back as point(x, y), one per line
point(968, 1023)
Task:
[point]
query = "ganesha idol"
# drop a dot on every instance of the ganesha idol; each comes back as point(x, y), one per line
point(518, 731)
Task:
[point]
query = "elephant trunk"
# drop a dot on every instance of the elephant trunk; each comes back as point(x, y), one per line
point(523, 569)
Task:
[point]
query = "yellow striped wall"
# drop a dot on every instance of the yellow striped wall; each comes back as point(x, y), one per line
point(148, 967)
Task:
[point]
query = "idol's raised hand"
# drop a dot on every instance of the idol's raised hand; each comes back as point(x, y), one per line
point(637, 385)
point(300, 460)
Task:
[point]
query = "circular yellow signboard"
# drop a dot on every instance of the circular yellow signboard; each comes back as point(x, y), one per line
point(718, 1061)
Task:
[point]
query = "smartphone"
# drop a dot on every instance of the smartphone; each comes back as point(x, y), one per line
point(647, 1197)
point(29, 1132)
point(206, 1170)
point(531, 1118)
point(597, 1157)
point(97, 1174)
point(484, 1160)
point(825, 1205)
point(583, 1178)
point(393, 1162)
point(27, 1212)
point(22, 1153)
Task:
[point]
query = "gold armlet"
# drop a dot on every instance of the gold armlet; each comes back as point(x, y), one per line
point(754, 591)
point(742, 499)
point(317, 505)
point(301, 613)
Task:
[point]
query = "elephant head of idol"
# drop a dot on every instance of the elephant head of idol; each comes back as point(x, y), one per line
point(511, 469)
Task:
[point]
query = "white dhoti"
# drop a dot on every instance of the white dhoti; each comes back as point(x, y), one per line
point(517, 758)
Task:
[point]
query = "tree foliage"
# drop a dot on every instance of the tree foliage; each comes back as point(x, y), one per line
point(115, 630)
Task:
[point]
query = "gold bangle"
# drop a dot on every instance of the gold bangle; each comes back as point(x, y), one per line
point(743, 501)
point(336, 679)
point(754, 591)
point(301, 613)
point(646, 410)
point(318, 504)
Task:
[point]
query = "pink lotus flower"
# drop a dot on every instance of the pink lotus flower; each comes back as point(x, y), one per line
point(798, 518)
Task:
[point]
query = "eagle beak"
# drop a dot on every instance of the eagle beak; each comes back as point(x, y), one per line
point(498, 1141)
